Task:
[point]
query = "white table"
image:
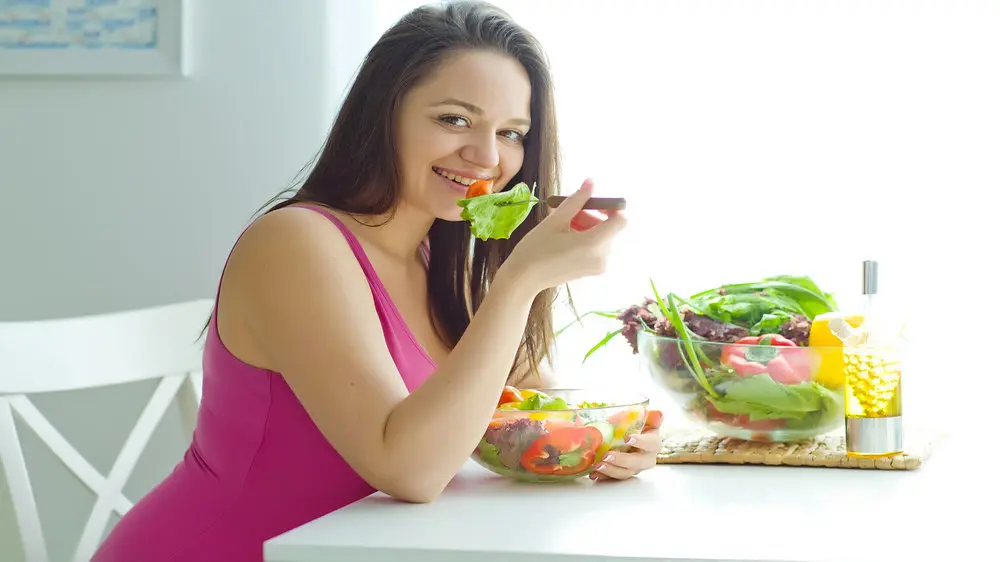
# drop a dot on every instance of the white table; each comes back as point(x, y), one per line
point(676, 513)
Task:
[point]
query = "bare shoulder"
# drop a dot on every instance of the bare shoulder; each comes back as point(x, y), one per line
point(303, 308)
point(281, 260)
point(295, 229)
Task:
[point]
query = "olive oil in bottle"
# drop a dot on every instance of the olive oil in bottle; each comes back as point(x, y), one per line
point(873, 400)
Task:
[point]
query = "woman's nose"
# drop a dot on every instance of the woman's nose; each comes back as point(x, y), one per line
point(481, 152)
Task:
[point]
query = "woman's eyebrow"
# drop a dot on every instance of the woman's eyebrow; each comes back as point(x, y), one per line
point(475, 109)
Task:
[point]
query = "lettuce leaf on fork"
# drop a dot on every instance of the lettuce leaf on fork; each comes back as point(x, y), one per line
point(494, 216)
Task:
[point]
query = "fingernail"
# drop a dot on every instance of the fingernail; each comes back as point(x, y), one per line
point(599, 468)
point(608, 458)
point(631, 441)
point(594, 476)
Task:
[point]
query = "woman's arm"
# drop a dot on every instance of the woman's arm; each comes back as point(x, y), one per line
point(304, 298)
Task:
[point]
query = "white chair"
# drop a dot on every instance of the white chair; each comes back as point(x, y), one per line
point(87, 352)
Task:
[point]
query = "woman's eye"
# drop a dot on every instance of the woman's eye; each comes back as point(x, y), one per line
point(461, 122)
point(516, 136)
point(455, 120)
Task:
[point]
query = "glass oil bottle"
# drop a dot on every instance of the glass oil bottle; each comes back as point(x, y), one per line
point(873, 400)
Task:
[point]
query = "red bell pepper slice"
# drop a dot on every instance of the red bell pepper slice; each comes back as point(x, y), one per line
point(564, 451)
point(771, 354)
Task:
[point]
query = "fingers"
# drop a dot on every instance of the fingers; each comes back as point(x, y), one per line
point(609, 227)
point(612, 471)
point(572, 211)
point(585, 220)
point(573, 204)
point(621, 465)
point(648, 442)
point(654, 419)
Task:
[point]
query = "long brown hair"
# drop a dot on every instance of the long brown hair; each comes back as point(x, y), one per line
point(357, 171)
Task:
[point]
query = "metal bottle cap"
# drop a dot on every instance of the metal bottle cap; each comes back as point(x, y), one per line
point(874, 437)
point(869, 283)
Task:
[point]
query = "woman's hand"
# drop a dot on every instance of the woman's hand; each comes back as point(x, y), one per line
point(641, 456)
point(567, 245)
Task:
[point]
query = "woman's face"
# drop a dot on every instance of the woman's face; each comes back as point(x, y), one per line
point(465, 122)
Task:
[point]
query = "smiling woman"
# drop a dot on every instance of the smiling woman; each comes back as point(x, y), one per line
point(361, 339)
point(469, 123)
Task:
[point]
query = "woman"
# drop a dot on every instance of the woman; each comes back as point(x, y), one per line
point(343, 356)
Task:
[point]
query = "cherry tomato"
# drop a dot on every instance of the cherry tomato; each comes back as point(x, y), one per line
point(477, 188)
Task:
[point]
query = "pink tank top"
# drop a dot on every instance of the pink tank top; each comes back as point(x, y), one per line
point(257, 466)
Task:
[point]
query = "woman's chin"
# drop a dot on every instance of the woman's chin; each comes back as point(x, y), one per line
point(448, 210)
point(451, 216)
point(438, 207)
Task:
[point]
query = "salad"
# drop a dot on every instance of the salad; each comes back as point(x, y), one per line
point(538, 436)
point(738, 355)
point(496, 215)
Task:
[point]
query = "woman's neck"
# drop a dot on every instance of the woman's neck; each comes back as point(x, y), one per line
point(398, 234)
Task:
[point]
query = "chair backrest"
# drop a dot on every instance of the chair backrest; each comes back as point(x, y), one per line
point(88, 352)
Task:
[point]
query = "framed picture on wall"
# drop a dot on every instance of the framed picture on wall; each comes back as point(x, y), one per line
point(93, 38)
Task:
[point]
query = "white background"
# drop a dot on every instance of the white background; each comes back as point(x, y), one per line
point(769, 137)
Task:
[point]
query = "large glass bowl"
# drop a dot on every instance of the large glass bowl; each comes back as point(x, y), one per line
point(552, 445)
point(747, 391)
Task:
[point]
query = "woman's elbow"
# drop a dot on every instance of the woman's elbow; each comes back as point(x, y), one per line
point(416, 497)
point(414, 493)
point(413, 487)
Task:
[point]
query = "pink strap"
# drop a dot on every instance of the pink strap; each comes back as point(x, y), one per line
point(352, 241)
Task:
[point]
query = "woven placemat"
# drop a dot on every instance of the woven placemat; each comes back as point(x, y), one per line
point(826, 451)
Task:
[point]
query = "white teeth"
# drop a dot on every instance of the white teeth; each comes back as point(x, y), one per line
point(460, 179)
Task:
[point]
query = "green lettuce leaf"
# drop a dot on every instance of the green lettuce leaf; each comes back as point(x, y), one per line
point(489, 220)
point(571, 458)
point(747, 302)
point(541, 401)
point(805, 282)
point(749, 309)
point(489, 453)
point(761, 398)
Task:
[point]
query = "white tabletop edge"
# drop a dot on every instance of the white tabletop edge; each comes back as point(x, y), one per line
point(809, 506)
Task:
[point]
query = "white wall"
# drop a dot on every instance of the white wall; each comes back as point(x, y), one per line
point(120, 194)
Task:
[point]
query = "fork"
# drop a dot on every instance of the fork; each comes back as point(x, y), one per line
point(595, 203)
